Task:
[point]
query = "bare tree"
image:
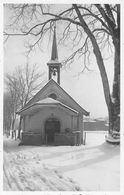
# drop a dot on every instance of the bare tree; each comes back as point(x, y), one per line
point(8, 110)
point(89, 28)
point(11, 101)
point(22, 85)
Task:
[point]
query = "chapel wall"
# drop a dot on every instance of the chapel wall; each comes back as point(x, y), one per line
point(36, 122)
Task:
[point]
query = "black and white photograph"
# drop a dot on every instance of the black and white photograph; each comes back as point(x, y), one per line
point(61, 96)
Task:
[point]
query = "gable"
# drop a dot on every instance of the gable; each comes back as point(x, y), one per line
point(61, 95)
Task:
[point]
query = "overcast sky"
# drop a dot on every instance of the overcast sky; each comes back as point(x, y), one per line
point(85, 88)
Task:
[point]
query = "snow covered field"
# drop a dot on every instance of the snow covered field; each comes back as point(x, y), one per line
point(93, 167)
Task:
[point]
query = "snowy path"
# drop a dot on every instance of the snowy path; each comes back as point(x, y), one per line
point(94, 166)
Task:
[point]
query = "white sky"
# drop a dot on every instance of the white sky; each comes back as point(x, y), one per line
point(85, 88)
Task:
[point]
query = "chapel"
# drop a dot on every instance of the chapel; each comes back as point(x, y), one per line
point(52, 116)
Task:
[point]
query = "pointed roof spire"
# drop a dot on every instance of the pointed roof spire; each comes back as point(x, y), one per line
point(54, 55)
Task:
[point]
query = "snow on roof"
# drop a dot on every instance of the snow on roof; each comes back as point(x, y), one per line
point(49, 101)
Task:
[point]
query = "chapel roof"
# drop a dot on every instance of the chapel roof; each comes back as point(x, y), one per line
point(48, 84)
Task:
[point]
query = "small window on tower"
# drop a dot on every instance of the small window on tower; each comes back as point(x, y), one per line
point(53, 96)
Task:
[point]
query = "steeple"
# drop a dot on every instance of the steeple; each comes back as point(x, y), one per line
point(54, 65)
point(54, 55)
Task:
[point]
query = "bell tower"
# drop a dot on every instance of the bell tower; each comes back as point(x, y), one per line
point(54, 65)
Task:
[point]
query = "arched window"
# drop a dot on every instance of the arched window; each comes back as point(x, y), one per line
point(53, 96)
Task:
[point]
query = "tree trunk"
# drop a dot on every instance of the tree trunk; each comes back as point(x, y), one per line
point(101, 66)
point(19, 129)
point(116, 86)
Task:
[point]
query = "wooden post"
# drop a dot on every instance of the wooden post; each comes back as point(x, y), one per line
point(49, 73)
point(82, 130)
point(58, 79)
point(77, 130)
point(77, 122)
point(72, 122)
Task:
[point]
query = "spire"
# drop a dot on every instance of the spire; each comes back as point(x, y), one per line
point(54, 65)
point(54, 54)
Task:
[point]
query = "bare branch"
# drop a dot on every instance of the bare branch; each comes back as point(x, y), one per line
point(110, 23)
point(23, 83)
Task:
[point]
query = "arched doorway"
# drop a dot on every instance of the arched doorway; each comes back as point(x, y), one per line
point(52, 126)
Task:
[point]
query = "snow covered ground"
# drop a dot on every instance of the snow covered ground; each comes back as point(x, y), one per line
point(93, 167)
